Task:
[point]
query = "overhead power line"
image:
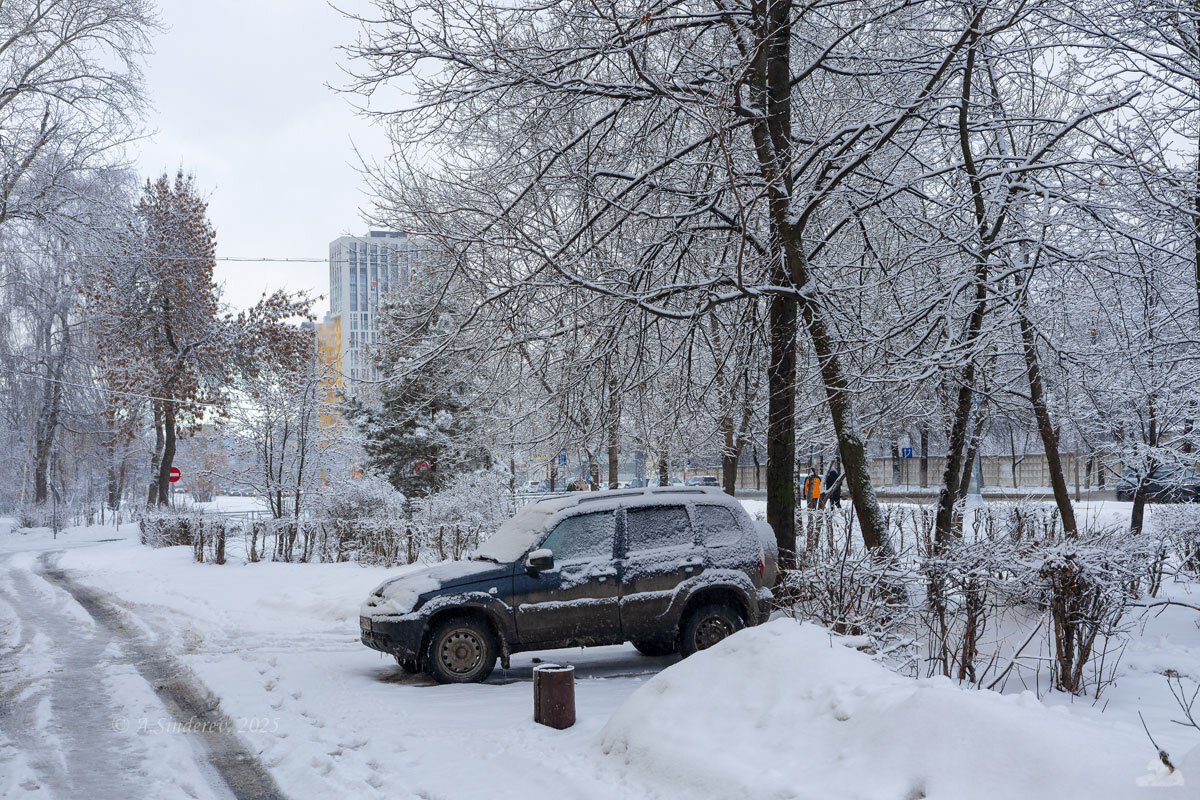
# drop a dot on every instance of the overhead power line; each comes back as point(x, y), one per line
point(128, 256)
point(95, 388)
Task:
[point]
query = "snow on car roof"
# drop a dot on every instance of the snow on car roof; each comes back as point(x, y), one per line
point(514, 538)
point(651, 495)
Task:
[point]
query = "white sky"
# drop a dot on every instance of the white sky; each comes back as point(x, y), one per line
point(239, 95)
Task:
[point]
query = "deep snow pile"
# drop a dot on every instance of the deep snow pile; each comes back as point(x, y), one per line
point(786, 709)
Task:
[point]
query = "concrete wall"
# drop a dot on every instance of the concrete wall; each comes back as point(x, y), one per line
point(1031, 471)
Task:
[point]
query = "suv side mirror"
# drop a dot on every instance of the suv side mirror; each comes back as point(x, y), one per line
point(539, 560)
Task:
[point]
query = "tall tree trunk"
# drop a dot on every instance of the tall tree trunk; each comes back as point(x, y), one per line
point(1037, 396)
point(52, 391)
point(1196, 212)
point(770, 85)
point(614, 429)
point(964, 483)
point(115, 456)
point(168, 453)
point(731, 466)
point(924, 455)
point(896, 467)
point(1137, 518)
point(729, 456)
point(781, 427)
point(944, 523)
point(156, 456)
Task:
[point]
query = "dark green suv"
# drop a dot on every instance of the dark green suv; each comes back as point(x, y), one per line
point(669, 569)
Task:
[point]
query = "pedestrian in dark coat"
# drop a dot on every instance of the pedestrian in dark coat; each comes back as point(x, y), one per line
point(833, 485)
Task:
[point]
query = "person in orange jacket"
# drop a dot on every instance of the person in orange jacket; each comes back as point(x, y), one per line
point(812, 488)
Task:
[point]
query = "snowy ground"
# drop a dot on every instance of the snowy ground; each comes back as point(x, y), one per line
point(778, 712)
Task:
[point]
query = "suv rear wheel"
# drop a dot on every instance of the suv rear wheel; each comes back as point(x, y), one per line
point(654, 647)
point(706, 625)
point(461, 650)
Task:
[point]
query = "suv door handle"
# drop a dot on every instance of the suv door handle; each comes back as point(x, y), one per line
point(689, 565)
point(604, 575)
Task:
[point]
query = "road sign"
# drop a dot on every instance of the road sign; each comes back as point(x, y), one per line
point(906, 452)
point(562, 457)
point(420, 466)
point(175, 475)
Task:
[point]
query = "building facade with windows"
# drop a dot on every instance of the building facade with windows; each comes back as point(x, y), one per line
point(364, 271)
point(329, 365)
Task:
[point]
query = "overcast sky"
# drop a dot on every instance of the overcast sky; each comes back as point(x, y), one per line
point(239, 95)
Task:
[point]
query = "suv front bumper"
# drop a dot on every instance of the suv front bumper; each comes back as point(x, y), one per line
point(401, 639)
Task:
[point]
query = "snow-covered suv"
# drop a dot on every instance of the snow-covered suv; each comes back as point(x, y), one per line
point(669, 569)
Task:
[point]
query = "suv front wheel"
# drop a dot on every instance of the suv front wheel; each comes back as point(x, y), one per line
point(461, 650)
point(706, 625)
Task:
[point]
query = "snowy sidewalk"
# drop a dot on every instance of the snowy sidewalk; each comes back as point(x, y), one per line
point(71, 702)
point(278, 644)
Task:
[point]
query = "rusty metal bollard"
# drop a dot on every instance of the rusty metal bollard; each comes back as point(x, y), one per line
point(554, 695)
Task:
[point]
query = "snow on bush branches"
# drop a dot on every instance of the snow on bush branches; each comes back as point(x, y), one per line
point(1013, 595)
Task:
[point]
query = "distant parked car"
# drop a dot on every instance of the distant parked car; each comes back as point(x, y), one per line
point(703, 480)
point(636, 483)
point(689, 568)
point(1166, 484)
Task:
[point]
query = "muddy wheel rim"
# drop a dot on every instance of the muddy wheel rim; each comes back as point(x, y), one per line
point(461, 652)
point(711, 630)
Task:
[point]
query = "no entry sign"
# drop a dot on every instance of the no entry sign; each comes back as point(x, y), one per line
point(175, 474)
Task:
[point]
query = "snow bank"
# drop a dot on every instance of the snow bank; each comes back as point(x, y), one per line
point(781, 710)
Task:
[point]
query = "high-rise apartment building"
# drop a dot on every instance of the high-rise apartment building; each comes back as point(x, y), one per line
point(363, 271)
point(329, 358)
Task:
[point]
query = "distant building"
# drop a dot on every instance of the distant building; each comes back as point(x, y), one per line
point(329, 363)
point(363, 271)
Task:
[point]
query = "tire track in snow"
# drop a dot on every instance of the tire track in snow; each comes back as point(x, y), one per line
point(189, 704)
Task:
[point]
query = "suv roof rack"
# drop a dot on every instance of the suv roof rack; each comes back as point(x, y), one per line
point(595, 497)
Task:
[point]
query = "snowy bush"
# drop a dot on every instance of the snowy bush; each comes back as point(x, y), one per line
point(1014, 593)
point(358, 498)
point(167, 528)
point(469, 509)
point(1178, 527)
point(361, 518)
point(31, 515)
point(853, 594)
point(1086, 585)
point(965, 588)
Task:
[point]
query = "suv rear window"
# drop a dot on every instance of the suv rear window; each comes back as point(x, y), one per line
point(585, 537)
point(717, 525)
point(657, 527)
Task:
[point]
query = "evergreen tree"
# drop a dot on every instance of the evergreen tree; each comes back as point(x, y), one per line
point(423, 430)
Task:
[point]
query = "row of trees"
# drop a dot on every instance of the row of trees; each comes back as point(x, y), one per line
point(71, 97)
point(693, 226)
point(115, 342)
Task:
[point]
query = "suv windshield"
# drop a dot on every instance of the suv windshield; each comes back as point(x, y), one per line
point(514, 537)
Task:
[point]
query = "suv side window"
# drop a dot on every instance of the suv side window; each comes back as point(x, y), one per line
point(657, 527)
point(717, 525)
point(584, 537)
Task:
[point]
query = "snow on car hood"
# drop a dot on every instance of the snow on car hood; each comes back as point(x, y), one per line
point(398, 596)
